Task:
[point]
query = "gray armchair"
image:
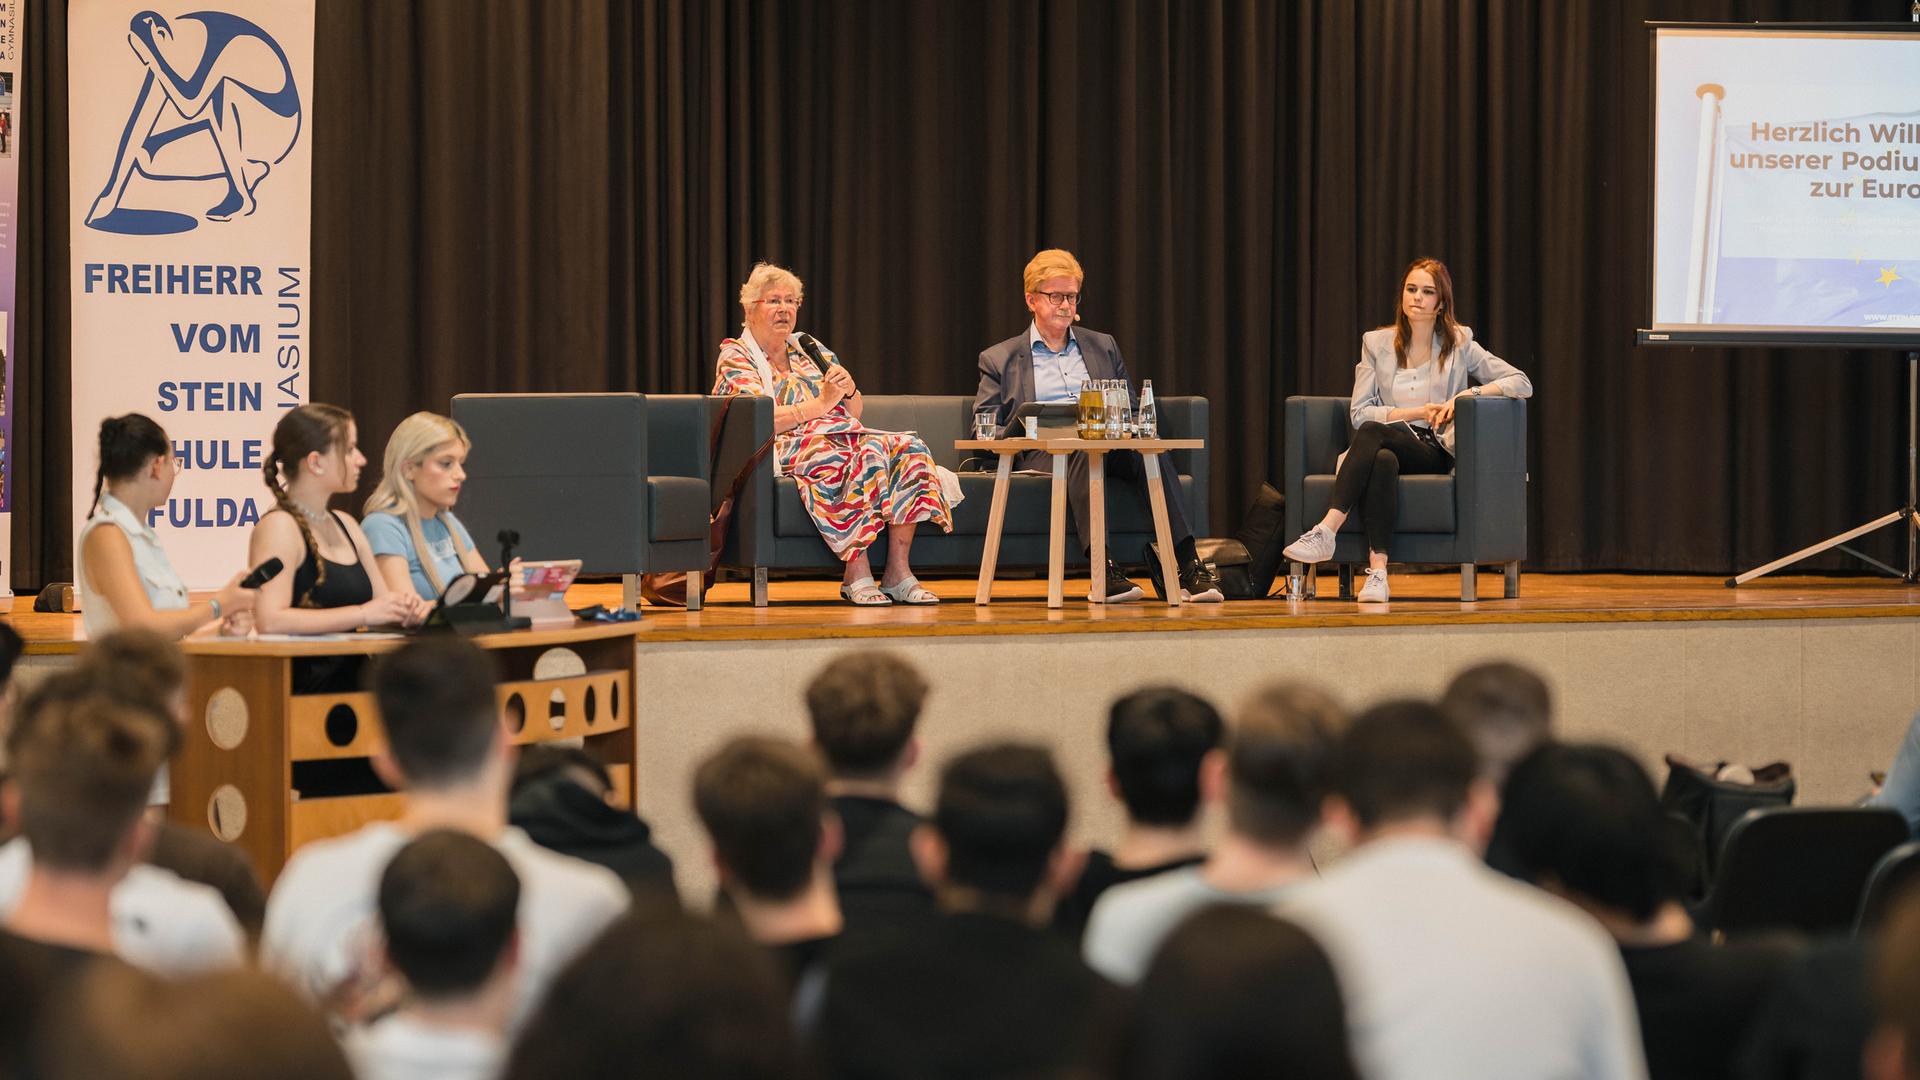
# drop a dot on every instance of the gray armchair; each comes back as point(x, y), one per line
point(1475, 516)
point(618, 481)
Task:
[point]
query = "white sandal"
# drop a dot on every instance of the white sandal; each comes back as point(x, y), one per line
point(910, 591)
point(864, 592)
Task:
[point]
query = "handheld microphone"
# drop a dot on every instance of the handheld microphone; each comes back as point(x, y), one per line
point(262, 574)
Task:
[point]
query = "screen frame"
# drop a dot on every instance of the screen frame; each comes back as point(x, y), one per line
point(1902, 338)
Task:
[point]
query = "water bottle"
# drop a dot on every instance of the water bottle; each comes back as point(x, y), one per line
point(1116, 409)
point(1146, 418)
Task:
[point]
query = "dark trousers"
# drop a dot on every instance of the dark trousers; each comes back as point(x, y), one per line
point(1124, 470)
point(1379, 456)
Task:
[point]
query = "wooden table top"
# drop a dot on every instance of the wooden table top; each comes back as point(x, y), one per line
point(1067, 446)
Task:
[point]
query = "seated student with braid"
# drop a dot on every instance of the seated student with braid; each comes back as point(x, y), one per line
point(335, 584)
point(124, 575)
point(417, 542)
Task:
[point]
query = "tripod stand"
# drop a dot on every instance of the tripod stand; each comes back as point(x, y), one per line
point(1910, 513)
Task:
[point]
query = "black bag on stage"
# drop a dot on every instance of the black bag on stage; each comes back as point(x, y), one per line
point(1248, 562)
point(1228, 558)
point(1710, 805)
point(1260, 534)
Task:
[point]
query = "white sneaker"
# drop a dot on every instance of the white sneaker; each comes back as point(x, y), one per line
point(1314, 546)
point(1375, 590)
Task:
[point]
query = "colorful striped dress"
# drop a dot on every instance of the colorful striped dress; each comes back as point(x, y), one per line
point(854, 481)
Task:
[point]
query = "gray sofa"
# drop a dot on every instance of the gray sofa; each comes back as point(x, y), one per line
point(771, 529)
point(1474, 516)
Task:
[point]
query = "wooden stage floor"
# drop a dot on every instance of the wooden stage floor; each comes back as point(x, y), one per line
point(813, 610)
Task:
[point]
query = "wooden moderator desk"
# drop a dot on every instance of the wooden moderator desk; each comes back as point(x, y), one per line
point(1096, 451)
point(269, 768)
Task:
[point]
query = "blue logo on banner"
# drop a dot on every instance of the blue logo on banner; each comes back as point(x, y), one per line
point(231, 120)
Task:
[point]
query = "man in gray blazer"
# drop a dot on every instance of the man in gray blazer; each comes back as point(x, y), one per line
point(1048, 363)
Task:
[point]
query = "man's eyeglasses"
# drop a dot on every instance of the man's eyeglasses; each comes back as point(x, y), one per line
point(1061, 299)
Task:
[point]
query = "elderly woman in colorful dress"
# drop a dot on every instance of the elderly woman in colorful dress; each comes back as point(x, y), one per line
point(855, 482)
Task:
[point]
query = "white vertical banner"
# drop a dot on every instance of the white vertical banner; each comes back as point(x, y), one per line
point(191, 139)
point(11, 14)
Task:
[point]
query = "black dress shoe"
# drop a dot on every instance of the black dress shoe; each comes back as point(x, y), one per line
point(1120, 588)
point(1199, 584)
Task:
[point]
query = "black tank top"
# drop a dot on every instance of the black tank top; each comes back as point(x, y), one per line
point(347, 584)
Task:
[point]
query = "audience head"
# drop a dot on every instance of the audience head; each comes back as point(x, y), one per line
point(82, 761)
point(437, 704)
point(1504, 708)
point(141, 667)
point(1405, 762)
point(134, 448)
point(421, 473)
point(1893, 1052)
point(314, 441)
point(998, 824)
point(663, 993)
point(864, 706)
point(1157, 739)
point(11, 648)
point(123, 1024)
point(1586, 822)
point(449, 904)
point(1279, 762)
point(1234, 992)
point(764, 804)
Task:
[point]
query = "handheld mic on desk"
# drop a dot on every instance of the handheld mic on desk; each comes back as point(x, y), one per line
point(262, 574)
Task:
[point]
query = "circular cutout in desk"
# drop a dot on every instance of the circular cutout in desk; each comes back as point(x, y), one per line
point(516, 713)
point(227, 718)
point(342, 725)
point(227, 812)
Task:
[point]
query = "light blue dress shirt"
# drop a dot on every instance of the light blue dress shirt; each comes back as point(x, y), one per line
point(1056, 375)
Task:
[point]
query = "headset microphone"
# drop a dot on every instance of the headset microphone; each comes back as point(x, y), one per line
point(1076, 316)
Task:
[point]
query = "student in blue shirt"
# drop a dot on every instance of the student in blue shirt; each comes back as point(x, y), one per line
point(417, 543)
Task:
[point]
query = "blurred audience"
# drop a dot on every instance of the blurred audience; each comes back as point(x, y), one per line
point(1273, 779)
point(1156, 740)
point(1450, 969)
point(1586, 825)
point(448, 913)
point(864, 707)
point(764, 805)
point(984, 989)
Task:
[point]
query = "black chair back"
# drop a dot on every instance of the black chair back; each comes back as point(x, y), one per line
point(1799, 868)
point(1892, 876)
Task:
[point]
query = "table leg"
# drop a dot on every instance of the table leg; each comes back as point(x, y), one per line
point(1057, 533)
point(996, 521)
point(1097, 511)
point(1162, 532)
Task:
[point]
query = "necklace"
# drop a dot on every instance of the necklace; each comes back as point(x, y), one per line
point(314, 516)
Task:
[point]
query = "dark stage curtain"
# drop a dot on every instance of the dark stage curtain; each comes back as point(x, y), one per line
point(527, 195)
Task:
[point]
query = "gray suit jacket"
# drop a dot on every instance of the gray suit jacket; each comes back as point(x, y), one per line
point(1006, 370)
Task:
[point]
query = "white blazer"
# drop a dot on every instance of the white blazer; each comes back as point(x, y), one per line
point(1470, 365)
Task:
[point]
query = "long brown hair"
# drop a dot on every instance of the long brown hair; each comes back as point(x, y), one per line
point(1443, 323)
point(311, 428)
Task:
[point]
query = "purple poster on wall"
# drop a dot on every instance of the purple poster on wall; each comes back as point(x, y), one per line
point(11, 12)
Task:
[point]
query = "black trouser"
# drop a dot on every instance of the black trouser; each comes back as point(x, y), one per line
point(1379, 456)
point(1124, 469)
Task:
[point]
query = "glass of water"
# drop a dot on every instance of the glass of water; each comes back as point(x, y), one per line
point(983, 424)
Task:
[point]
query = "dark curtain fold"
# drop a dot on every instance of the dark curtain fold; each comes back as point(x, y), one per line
point(516, 195)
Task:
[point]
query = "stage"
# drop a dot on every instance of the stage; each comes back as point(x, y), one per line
point(1821, 672)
